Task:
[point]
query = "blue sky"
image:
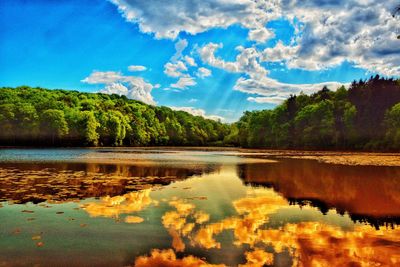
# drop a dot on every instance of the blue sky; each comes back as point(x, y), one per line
point(261, 55)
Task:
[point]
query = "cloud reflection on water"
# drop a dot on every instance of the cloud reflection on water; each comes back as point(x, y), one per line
point(310, 243)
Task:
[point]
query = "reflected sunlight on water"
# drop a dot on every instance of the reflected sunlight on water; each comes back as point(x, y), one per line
point(286, 213)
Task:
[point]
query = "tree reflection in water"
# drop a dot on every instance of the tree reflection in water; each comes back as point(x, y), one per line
point(286, 213)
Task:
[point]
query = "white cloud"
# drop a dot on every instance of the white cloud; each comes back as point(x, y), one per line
point(190, 61)
point(279, 52)
point(327, 32)
point(359, 31)
point(115, 88)
point(105, 77)
point(203, 72)
point(256, 82)
point(268, 90)
point(276, 100)
point(177, 66)
point(116, 83)
point(207, 54)
point(198, 112)
point(167, 20)
point(246, 60)
point(193, 100)
point(260, 35)
point(136, 68)
point(175, 69)
point(179, 47)
point(184, 82)
point(140, 90)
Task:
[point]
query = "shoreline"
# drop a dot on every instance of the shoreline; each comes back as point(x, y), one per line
point(352, 158)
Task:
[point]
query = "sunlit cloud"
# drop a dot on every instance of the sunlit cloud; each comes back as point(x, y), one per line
point(363, 27)
point(260, 35)
point(195, 17)
point(116, 83)
point(362, 33)
point(203, 72)
point(175, 69)
point(184, 82)
point(136, 68)
point(197, 112)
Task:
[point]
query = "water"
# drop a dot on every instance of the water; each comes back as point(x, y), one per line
point(118, 207)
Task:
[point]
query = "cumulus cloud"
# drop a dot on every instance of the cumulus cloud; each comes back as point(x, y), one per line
point(256, 81)
point(279, 52)
point(276, 100)
point(175, 69)
point(184, 82)
point(246, 61)
point(177, 65)
point(105, 77)
point(116, 83)
point(260, 35)
point(359, 31)
point(115, 88)
point(136, 68)
point(179, 47)
point(190, 61)
point(192, 16)
point(178, 68)
point(198, 112)
point(268, 90)
point(203, 72)
point(328, 33)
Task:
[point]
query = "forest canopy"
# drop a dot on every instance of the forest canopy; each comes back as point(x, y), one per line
point(36, 116)
point(366, 116)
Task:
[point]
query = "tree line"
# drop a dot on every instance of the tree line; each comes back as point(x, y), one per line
point(37, 116)
point(364, 117)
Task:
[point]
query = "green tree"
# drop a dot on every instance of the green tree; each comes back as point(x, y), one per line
point(53, 124)
point(7, 117)
point(392, 122)
point(89, 127)
point(315, 125)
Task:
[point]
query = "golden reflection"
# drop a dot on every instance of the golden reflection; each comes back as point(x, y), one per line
point(167, 258)
point(201, 217)
point(255, 211)
point(176, 221)
point(114, 206)
point(258, 258)
point(309, 243)
point(133, 219)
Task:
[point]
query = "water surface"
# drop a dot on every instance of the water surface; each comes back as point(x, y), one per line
point(121, 207)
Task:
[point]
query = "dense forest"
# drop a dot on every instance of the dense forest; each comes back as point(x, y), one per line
point(364, 117)
point(36, 116)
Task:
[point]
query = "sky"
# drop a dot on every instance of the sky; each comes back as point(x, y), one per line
point(213, 58)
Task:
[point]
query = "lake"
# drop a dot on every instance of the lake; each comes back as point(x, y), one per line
point(175, 207)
